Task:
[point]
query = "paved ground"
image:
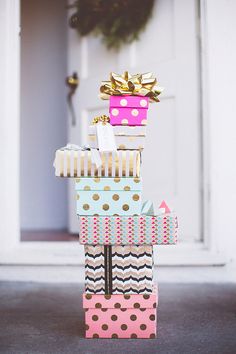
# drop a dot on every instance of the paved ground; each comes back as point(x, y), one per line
point(48, 319)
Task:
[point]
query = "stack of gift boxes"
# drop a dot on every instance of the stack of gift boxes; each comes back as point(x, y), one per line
point(117, 229)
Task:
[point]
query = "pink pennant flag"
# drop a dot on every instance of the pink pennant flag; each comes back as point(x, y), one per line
point(164, 206)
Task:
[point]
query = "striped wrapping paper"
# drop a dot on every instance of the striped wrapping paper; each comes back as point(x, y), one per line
point(128, 230)
point(77, 163)
point(118, 269)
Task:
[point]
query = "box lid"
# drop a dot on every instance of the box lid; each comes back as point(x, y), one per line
point(129, 101)
point(120, 130)
point(107, 184)
point(120, 301)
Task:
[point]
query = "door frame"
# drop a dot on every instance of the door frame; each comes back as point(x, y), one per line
point(12, 250)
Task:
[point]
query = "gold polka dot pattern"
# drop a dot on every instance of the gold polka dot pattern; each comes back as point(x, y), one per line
point(87, 188)
point(105, 207)
point(115, 197)
point(127, 188)
point(86, 207)
point(135, 197)
point(96, 196)
point(107, 188)
point(117, 180)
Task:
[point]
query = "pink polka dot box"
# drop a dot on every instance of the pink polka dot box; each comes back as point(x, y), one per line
point(120, 316)
point(128, 110)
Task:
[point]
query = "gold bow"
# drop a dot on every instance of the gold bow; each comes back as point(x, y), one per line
point(103, 119)
point(127, 84)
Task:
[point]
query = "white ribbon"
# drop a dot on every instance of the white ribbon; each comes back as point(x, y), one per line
point(95, 155)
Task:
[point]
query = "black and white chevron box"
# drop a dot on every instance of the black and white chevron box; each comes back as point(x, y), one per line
point(126, 269)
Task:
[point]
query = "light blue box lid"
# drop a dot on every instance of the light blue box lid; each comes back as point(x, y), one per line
point(106, 184)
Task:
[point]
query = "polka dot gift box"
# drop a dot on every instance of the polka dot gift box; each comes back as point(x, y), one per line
point(129, 97)
point(120, 316)
point(108, 196)
point(128, 110)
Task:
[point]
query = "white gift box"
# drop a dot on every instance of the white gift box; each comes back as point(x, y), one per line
point(126, 137)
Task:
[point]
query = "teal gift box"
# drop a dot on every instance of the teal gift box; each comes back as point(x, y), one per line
point(108, 196)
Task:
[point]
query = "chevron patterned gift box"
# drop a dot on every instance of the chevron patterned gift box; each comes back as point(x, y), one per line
point(118, 269)
point(128, 230)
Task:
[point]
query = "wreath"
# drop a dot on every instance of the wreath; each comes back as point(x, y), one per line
point(116, 21)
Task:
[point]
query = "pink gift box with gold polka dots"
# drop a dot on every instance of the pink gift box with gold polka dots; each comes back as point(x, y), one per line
point(128, 110)
point(120, 316)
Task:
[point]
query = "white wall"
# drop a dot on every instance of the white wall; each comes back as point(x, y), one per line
point(220, 114)
point(43, 112)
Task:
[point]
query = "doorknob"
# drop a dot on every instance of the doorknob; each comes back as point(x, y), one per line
point(72, 82)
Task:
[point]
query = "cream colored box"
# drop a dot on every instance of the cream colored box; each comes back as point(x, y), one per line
point(126, 137)
point(78, 163)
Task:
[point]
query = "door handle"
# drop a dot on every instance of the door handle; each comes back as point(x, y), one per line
point(72, 82)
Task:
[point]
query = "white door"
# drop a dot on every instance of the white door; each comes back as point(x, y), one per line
point(171, 160)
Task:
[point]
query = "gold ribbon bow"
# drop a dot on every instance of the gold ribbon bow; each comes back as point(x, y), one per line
point(135, 85)
point(103, 119)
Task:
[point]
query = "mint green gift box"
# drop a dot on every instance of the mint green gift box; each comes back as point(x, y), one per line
point(108, 196)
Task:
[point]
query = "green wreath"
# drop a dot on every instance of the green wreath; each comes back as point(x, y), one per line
point(117, 21)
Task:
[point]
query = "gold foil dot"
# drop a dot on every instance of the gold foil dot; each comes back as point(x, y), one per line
point(105, 207)
point(107, 188)
point(97, 179)
point(121, 147)
point(125, 207)
point(143, 103)
point(92, 138)
point(117, 180)
point(127, 188)
point(77, 180)
point(123, 102)
point(135, 197)
point(115, 112)
point(96, 197)
point(115, 197)
point(134, 112)
point(144, 122)
point(86, 207)
point(136, 180)
point(87, 188)
point(78, 196)
point(124, 121)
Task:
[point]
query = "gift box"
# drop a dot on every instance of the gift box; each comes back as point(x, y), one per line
point(126, 137)
point(120, 316)
point(108, 196)
point(128, 230)
point(78, 163)
point(118, 269)
point(128, 110)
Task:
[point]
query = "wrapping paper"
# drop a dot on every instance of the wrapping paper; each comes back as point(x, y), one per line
point(128, 230)
point(77, 163)
point(108, 196)
point(120, 316)
point(118, 269)
point(128, 110)
point(126, 137)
